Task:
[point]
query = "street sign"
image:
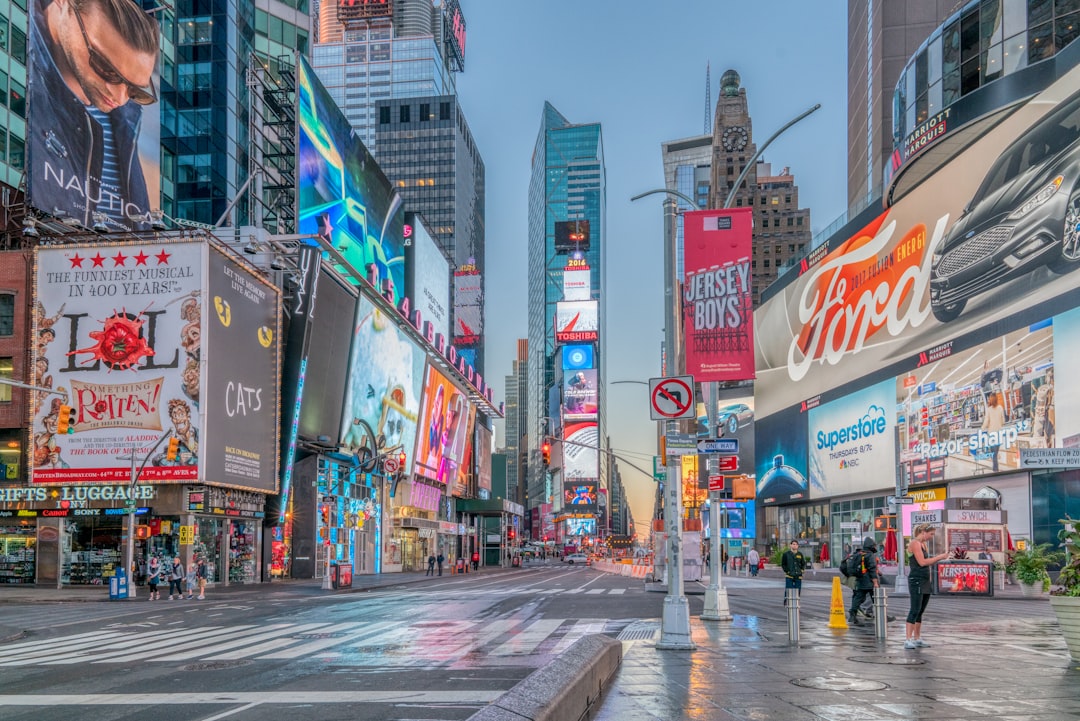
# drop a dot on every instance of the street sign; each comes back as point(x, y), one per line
point(671, 398)
point(899, 500)
point(728, 463)
point(390, 465)
point(716, 483)
point(129, 504)
point(1049, 457)
point(659, 470)
point(680, 444)
point(718, 445)
point(851, 526)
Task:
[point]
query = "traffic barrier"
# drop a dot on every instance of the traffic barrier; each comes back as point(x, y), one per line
point(837, 612)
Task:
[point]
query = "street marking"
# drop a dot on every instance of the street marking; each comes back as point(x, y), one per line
point(617, 591)
point(369, 630)
point(200, 649)
point(525, 642)
point(579, 630)
point(594, 591)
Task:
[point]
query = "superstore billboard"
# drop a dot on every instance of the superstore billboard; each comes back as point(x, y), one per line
point(385, 382)
point(343, 194)
point(73, 49)
point(145, 340)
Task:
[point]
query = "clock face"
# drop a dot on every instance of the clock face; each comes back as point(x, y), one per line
point(735, 138)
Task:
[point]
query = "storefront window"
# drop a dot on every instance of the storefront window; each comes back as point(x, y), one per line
point(91, 549)
point(17, 554)
point(241, 552)
point(208, 544)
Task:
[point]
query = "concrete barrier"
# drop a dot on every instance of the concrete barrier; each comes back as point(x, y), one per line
point(563, 690)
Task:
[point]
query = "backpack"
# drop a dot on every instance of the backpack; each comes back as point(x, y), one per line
point(854, 565)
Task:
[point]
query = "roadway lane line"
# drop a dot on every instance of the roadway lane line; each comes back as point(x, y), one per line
point(526, 642)
point(594, 591)
point(617, 591)
point(580, 629)
point(36, 643)
point(201, 649)
point(370, 629)
point(261, 698)
point(143, 641)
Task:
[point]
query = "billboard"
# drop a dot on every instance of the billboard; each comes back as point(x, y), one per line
point(428, 275)
point(444, 419)
point(454, 33)
point(118, 330)
point(580, 395)
point(580, 496)
point(385, 381)
point(464, 438)
point(852, 442)
point(578, 357)
point(571, 236)
point(718, 306)
point(577, 282)
point(94, 135)
point(581, 457)
point(241, 341)
point(980, 247)
point(343, 194)
point(781, 458)
point(468, 306)
point(577, 321)
point(484, 440)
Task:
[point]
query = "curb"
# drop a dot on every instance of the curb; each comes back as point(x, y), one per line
point(565, 689)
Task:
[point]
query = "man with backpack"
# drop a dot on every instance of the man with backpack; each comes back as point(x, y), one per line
point(861, 566)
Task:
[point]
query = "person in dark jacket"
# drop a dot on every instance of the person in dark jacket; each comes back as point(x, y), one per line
point(863, 566)
point(92, 64)
point(793, 563)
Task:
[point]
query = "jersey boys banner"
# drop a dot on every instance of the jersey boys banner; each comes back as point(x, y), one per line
point(718, 306)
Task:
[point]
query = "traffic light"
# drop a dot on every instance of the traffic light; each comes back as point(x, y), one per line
point(511, 534)
point(546, 450)
point(173, 449)
point(400, 475)
point(65, 420)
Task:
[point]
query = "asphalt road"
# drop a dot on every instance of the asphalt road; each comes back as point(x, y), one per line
point(438, 650)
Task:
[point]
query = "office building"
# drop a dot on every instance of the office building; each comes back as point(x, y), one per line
point(515, 423)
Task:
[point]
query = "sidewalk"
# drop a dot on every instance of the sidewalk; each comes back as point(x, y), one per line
point(745, 669)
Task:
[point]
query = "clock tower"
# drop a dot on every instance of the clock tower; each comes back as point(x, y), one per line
point(733, 142)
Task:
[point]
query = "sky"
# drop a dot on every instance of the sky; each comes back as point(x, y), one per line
point(637, 67)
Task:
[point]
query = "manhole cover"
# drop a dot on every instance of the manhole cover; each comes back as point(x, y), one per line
point(639, 632)
point(215, 665)
point(828, 683)
point(889, 660)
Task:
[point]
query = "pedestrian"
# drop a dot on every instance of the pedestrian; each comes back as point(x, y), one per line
point(153, 577)
point(919, 583)
point(430, 565)
point(191, 580)
point(863, 568)
point(202, 573)
point(753, 558)
point(723, 560)
point(176, 575)
point(475, 560)
point(440, 560)
point(793, 563)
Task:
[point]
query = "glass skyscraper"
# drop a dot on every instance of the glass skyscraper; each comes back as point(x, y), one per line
point(568, 182)
point(13, 25)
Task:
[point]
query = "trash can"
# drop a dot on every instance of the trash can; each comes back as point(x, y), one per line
point(118, 586)
point(341, 575)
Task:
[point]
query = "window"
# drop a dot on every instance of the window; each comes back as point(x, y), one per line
point(7, 314)
point(16, 152)
point(425, 112)
point(403, 114)
point(7, 370)
point(444, 111)
point(17, 98)
point(766, 262)
point(384, 115)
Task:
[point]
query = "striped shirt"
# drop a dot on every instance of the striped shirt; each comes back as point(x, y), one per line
point(110, 199)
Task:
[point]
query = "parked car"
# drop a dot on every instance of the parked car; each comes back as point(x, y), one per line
point(1025, 214)
point(730, 419)
point(577, 558)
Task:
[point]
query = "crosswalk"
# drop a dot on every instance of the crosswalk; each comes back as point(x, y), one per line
point(475, 592)
point(386, 644)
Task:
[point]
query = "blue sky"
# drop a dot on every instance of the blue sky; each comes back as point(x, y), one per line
point(638, 68)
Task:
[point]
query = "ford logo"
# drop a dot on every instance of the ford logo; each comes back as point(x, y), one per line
point(969, 234)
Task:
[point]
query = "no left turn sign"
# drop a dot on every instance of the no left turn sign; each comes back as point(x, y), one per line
point(671, 398)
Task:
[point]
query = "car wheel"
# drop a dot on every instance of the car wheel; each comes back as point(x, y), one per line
point(1070, 238)
point(570, 562)
point(946, 313)
point(733, 424)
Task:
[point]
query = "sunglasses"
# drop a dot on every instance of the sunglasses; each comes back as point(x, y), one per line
point(108, 72)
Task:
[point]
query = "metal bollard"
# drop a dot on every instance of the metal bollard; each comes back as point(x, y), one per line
point(880, 613)
point(791, 597)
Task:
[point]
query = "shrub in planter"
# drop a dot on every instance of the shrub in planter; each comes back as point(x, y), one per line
point(1031, 564)
point(1069, 578)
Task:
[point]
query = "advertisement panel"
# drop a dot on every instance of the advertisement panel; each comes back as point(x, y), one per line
point(385, 381)
point(131, 376)
point(577, 357)
point(581, 459)
point(344, 195)
point(580, 527)
point(241, 342)
point(983, 242)
point(718, 305)
point(428, 276)
point(580, 395)
point(734, 418)
point(483, 459)
point(781, 458)
point(577, 321)
point(577, 282)
point(328, 369)
point(443, 426)
point(468, 306)
point(464, 450)
point(75, 113)
point(852, 442)
point(580, 496)
point(571, 236)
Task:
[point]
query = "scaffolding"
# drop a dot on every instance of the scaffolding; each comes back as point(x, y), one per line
point(272, 156)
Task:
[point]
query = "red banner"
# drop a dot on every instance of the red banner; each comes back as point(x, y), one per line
point(718, 305)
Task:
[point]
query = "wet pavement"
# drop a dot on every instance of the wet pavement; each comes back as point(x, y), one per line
point(745, 670)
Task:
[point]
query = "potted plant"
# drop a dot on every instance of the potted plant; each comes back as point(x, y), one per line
point(1030, 564)
point(1065, 598)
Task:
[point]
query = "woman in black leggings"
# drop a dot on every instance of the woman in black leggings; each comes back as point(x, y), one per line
point(919, 583)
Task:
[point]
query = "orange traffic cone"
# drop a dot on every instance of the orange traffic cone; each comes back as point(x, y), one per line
point(837, 612)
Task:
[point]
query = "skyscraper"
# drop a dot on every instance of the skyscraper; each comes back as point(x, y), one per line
point(567, 248)
point(13, 60)
point(516, 416)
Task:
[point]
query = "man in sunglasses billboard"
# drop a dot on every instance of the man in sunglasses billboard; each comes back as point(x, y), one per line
point(91, 73)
